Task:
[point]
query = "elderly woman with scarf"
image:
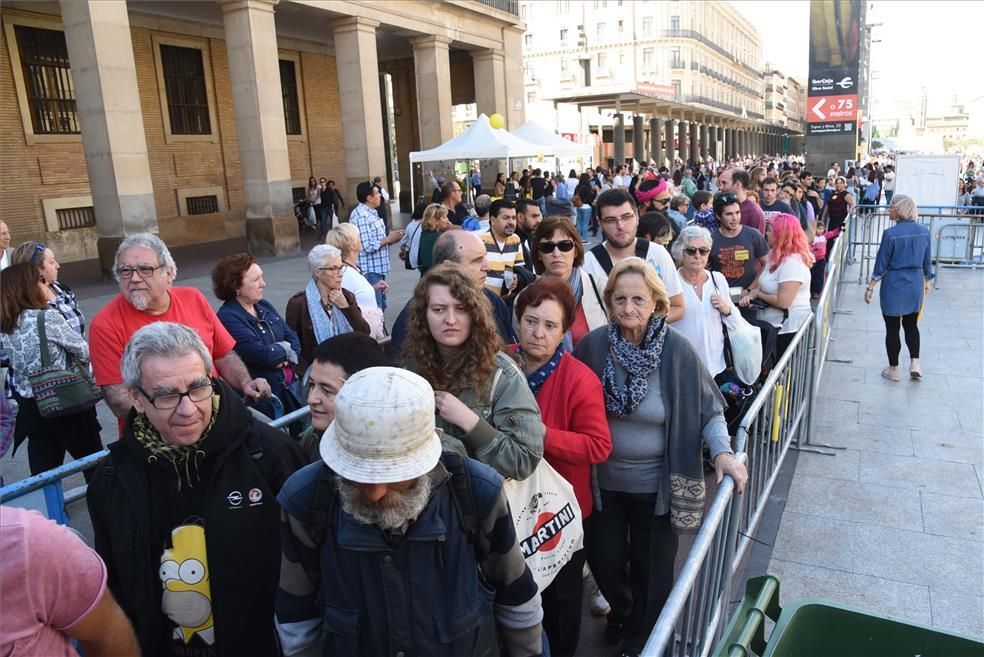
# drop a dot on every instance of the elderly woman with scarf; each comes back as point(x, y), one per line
point(324, 308)
point(573, 412)
point(661, 402)
point(558, 252)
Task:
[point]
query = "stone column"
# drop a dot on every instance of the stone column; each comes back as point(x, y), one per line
point(732, 142)
point(682, 130)
point(257, 102)
point(358, 98)
point(705, 141)
point(719, 144)
point(655, 140)
point(489, 67)
point(618, 141)
point(433, 73)
point(668, 138)
point(108, 102)
point(694, 138)
point(638, 139)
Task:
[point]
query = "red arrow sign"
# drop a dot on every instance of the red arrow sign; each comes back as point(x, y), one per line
point(832, 108)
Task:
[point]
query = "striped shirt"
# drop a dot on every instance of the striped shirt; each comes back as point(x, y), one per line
point(501, 258)
point(374, 258)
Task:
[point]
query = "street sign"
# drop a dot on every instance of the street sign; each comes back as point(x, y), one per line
point(832, 108)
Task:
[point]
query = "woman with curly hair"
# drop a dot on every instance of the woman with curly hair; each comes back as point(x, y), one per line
point(783, 288)
point(484, 405)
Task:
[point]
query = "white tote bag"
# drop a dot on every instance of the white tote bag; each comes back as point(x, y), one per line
point(548, 521)
point(745, 340)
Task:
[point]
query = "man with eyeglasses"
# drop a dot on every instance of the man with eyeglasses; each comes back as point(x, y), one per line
point(374, 261)
point(737, 182)
point(184, 509)
point(145, 272)
point(619, 220)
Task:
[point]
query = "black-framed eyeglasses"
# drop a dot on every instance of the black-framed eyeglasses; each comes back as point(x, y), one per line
point(340, 269)
point(171, 400)
point(39, 249)
point(145, 271)
point(693, 250)
point(548, 247)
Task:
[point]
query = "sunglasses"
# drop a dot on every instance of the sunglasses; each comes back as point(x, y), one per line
point(548, 247)
point(39, 248)
point(692, 250)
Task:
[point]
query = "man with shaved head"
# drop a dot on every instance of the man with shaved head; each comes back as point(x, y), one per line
point(468, 250)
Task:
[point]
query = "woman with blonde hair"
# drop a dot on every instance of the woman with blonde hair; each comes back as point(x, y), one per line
point(903, 267)
point(661, 404)
point(345, 237)
point(434, 222)
point(483, 403)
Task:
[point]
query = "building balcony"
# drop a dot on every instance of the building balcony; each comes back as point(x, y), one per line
point(677, 64)
point(508, 6)
point(697, 36)
point(710, 102)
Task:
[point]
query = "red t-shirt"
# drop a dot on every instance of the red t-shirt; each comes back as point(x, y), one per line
point(50, 580)
point(579, 327)
point(113, 326)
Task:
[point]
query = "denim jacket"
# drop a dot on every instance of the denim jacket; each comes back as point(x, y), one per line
point(256, 340)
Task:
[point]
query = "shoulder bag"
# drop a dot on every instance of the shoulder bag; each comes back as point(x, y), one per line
point(59, 392)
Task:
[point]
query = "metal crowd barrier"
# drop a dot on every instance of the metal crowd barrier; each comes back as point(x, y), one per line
point(44, 492)
point(777, 419)
point(868, 222)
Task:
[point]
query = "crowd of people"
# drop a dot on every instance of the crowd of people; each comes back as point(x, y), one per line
point(383, 525)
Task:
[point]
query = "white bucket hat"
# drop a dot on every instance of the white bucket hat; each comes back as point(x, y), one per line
point(383, 430)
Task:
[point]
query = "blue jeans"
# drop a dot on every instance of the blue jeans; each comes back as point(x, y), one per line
point(583, 219)
point(374, 278)
point(889, 193)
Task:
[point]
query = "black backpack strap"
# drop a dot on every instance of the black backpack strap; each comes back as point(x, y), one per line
point(464, 503)
point(601, 255)
point(642, 248)
point(323, 506)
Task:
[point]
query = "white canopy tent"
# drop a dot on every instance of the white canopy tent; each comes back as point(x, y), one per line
point(550, 142)
point(479, 142)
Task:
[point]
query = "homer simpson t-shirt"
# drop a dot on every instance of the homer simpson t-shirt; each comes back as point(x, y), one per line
point(186, 592)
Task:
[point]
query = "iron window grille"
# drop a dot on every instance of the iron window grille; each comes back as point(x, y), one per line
point(288, 86)
point(48, 81)
point(184, 85)
point(202, 204)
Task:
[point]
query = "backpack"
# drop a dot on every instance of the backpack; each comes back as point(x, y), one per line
point(325, 502)
point(605, 260)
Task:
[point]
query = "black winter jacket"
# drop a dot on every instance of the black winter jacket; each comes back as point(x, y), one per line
point(135, 505)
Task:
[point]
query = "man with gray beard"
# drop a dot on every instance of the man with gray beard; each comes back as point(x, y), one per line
point(393, 547)
point(145, 272)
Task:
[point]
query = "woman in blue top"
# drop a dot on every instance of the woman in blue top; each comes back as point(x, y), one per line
point(903, 267)
point(263, 340)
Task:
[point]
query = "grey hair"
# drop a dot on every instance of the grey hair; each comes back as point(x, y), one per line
point(148, 241)
point(319, 254)
point(686, 235)
point(165, 339)
point(905, 207)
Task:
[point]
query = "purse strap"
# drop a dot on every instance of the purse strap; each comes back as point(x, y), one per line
point(42, 336)
point(729, 358)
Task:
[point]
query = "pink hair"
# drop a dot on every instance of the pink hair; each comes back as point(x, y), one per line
point(788, 238)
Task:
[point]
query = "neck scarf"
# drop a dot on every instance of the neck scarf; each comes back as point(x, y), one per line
point(183, 458)
point(324, 326)
point(539, 377)
point(577, 288)
point(637, 362)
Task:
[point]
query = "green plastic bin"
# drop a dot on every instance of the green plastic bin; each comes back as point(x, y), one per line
point(817, 628)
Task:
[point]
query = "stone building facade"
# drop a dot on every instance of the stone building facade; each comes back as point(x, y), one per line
point(203, 120)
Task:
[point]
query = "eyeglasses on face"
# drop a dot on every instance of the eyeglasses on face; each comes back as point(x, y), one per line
point(339, 269)
point(624, 219)
point(170, 400)
point(693, 250)
point(145, 271)
point(548, 247)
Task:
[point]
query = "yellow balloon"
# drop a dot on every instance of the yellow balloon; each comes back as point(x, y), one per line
point(497, 121)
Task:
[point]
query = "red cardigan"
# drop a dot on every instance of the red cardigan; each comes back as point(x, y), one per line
point(572, 406)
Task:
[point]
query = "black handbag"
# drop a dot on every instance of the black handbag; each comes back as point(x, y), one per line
point(59, 392)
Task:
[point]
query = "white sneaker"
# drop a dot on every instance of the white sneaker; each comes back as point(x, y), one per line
point(599, 606)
